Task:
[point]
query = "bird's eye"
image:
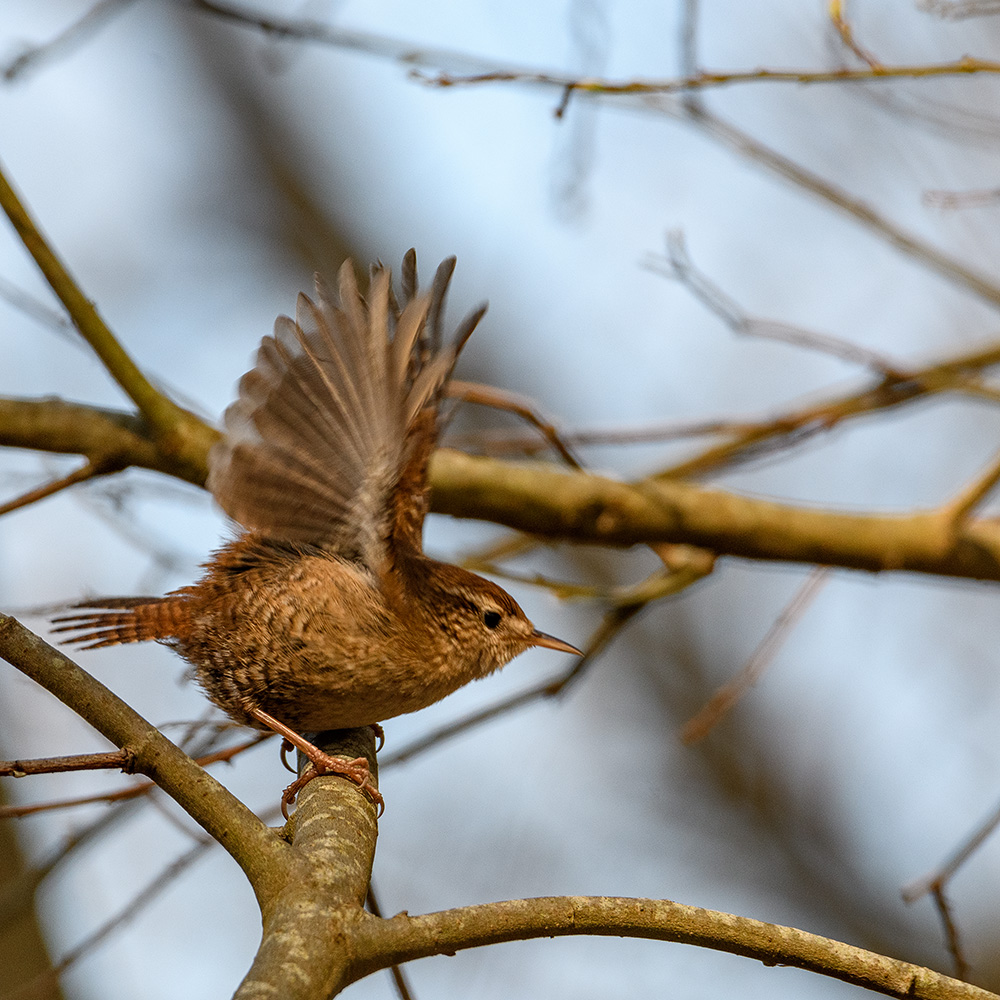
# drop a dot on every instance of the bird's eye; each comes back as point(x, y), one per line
point(491, 619)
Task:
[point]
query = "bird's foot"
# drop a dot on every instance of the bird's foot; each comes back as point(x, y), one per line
point(356, 770)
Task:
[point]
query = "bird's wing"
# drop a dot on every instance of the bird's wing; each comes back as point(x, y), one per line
point(333, 426)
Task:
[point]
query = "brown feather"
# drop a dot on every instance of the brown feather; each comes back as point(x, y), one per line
point(137, 619)
point(330, 436)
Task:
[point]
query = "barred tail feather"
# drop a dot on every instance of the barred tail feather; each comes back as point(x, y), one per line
point(112, 621)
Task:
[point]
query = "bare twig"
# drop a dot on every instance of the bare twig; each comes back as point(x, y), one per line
point(702, 723)
point(688, 36)
point(521, 406)
point(680, 267)
point(114, 759)
point(948, 200)
point(399, 50)
point(840, 23)
point(88, 470)
point(950, 933)
point(795, 426)
point(972, 496)
point(942, 875)
point(503, 442)
point(37, 310)
point(70, 38)
point(135, 906)
point(958, 9)
point(705, 80)
point(123, 794)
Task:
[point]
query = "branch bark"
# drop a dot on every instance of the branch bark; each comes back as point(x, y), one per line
point(583, 507)
point(379, 943)
point(254, 847)
point(107, 438)
point(304, 952)
point(549, 501)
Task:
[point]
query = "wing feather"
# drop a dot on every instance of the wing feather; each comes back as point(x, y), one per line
point(339, 415)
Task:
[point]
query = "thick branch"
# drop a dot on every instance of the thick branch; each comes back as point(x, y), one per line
point(258, 851)
point(303, 953)
point(179, 433)
point(108, 438)
point(380, 943)
point(580, 507)
point(546, 500)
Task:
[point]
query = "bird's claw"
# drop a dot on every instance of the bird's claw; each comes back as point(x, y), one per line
point(286, 747)
point(356, 770)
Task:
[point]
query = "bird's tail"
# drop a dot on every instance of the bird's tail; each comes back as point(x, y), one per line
point(111, 621)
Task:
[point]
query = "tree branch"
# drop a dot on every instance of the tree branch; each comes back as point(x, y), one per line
point(178, 432)
point(380, 943)
point(255, 848)
point(108, 438)
point(582, 507)
point(303, 953)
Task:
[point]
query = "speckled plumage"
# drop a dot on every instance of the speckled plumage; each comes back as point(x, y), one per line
point(324, 613)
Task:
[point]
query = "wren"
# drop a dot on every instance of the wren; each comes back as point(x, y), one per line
point(324, 613)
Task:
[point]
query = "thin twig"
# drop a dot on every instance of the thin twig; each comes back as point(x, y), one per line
point(949, 200)
point(521, 406)
point(847, 36)
point(680, 267)
point(704, 80)
point(500, 442)
point(951, 937)
point(688, 36)
point(716, 708)
point(68, 39)
point(958, 9)
point(142, 788)
point(114, 759)
point(136, 905)
point(37, 310)
point(795, 426)
point(960, 509)
point(401, 50)
point(941, 876)
point(89, 470)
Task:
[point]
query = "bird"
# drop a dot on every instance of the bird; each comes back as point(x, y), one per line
point(323, 612)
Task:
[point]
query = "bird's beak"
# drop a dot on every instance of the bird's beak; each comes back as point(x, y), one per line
point(551, 642)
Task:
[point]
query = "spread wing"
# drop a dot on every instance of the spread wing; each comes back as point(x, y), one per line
point(338, 417)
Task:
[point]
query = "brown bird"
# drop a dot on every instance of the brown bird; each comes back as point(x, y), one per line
point(324, 613)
